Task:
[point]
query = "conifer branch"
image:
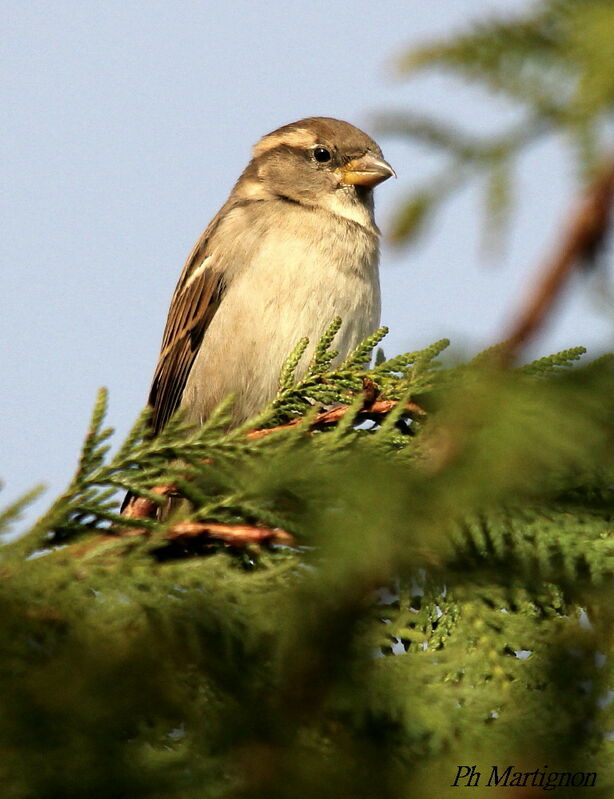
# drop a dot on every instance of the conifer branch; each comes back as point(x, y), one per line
point(579, 243)
point(147, 507)
point(374, 412)
point(230, 534)
point(144, 507)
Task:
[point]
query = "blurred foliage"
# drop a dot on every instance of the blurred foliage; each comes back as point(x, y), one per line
point(553, 63)
point(448, 600)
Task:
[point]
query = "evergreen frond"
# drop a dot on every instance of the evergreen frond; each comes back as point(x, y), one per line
point(13, 512)
point(553, 62)
point(489, 521)
point(552, 363)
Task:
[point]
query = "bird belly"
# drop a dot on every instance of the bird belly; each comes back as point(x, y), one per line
point(287, 292)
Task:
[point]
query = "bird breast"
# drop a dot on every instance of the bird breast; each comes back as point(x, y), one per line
point(287, 277)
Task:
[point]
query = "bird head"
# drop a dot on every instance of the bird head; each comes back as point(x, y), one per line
point(316, 161)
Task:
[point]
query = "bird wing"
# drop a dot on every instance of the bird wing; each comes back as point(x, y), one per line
point(195, 302)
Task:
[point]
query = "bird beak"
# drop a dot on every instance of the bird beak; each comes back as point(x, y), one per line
point(365, 171)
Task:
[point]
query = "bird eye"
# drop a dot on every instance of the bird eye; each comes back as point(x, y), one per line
point(322, 155)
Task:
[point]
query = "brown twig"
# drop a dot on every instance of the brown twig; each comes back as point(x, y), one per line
point(579, 242)
point(374, 412)
point(144, 508)
point(232, 534)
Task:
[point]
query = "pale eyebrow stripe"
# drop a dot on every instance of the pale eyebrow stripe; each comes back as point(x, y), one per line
point(291, 138)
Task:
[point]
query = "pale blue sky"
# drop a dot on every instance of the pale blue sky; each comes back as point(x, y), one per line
point(124, 126)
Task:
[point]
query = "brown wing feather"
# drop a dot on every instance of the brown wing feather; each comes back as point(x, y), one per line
point(195, 301)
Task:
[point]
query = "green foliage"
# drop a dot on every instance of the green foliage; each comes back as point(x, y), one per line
point(13, 512)
point(553, 63)
point(448, 599)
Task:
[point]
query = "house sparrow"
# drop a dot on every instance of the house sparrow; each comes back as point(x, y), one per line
point(294, 246)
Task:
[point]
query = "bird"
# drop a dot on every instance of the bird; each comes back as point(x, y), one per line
point(294, 246)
